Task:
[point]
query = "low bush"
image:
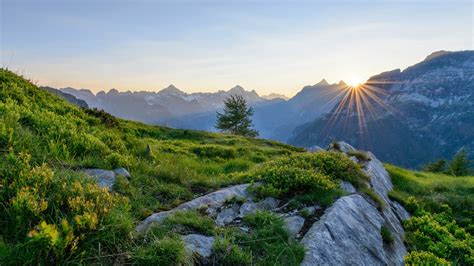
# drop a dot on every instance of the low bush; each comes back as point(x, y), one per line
point(309, 176)
point(386, 235)
point(54, 216)
point(424, 258)
point(440, 235)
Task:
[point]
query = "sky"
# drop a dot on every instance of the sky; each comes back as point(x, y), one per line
point(269, 46)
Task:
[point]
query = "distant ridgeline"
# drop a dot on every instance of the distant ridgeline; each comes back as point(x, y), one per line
point(407, 117)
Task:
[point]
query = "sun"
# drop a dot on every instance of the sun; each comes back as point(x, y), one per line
point(354, 81)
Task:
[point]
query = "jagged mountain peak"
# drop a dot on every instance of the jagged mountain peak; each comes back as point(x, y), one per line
point(237, 89)
point(323, 82)
point(171, 89)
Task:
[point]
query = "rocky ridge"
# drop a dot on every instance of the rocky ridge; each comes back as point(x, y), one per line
point(346, 233)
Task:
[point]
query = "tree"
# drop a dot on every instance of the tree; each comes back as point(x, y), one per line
point(459, 165)
point(236, 117)
point(437, 166)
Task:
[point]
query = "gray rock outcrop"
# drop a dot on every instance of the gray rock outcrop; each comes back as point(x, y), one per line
point(347, 234)
point(213, 200)
point(349, 231)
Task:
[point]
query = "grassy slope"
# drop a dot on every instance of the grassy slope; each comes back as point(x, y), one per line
point(432, 190)
point(183, 164)
point(440, 231)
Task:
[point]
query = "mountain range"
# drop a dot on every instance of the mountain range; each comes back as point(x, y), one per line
point(407, 117)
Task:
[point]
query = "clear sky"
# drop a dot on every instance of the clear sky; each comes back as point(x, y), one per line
point(269, 46)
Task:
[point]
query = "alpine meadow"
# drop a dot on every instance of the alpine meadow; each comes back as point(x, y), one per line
point(349, 141)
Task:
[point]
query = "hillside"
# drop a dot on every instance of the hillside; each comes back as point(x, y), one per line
point(405, 117)
point(175, 197)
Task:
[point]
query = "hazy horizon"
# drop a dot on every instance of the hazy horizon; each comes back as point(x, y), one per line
point(206, 46)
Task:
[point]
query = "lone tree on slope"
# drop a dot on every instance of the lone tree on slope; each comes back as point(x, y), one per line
point(236, 117)
point(459, 165)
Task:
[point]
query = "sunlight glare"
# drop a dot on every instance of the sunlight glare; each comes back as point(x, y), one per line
point(355, 81)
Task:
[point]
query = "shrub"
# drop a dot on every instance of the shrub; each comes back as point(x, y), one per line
point(440, 235)
point(437, 166)
point(386, 235)
point(285, 181)
point(360, 155)
point(114, 160)
point(424, 258)
point(307, 174)
point(52, 215)
point(105, 118)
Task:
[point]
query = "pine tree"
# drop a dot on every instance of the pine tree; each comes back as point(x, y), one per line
point(437, 166)
point(459, 165)
point(236, 117)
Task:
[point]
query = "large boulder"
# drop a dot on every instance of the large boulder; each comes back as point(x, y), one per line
point(212, 201)
point(349, 231)
point(347, 234)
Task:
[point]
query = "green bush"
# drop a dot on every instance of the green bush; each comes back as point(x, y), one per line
point(440, 235)
point(424, 258)
point(52, 215)
point(307, 175)
point(386, 235)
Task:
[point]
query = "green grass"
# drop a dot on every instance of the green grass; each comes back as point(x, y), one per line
point(432, 190)
point(441, 227)
point(267, 243)
point(41, 135)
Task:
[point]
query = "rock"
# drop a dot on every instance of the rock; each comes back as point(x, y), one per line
point(314, 149)
point(247, 208)
point(269, 203)
point(198, 244)
point(393, 213)
point(212, 200)
point(104, 178)
point(348, 187)
point(311, 209)
point(226, 216)
point(294, 224)
point(401, 213)
point(122, 171)
point(343, 146)
point(347, 234)
point(354, 159)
